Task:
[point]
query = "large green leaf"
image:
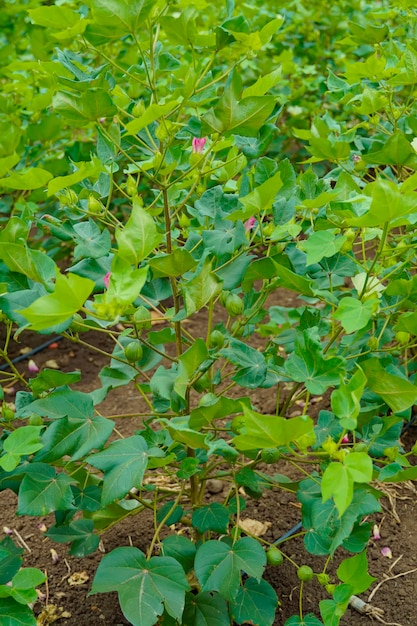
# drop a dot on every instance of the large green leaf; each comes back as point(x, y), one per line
point(354, 314)
point(260, 199)
point(396, 391)
point(270, 431)
point(82, 108)
point(205, 609)
point(43, 491)
point(213, 517)
point(345, 400)
point(61, 403)
point(80, 533)
point(388, 204)
point(320, 244)
point(32, 178)
point(74, 437)
point(123, 463)
point(339, 478)
point(144, 586)
point(218, 566)
point(10, 560)
point(152, 113)
point(354, 571)
point(201, 288)
point(256, 602)
point(138, 237)
point(86, 169)
point(125, 16)
point(308, 364)
point(250, 363)
point(34, 264)
point(14, 614)
point(71, 291)
point(21, 442)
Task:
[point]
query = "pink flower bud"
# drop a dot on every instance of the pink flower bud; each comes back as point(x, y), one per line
point(32, 367)
point(7, 530)
point(386, 552)
point(345, 439)
point(106, 280)
point(356, 158)
point(198, 144)
point(250, 223)
point(54, 556)
point(375, 532)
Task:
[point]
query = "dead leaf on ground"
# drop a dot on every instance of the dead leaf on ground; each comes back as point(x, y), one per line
point(254, 526)
point(78, 578)
point(50, 614)
point(52, 364)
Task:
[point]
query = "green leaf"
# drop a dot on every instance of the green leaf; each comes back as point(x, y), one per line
point(308, 364)
point(71, 291)
point(189, 364)
point(125, 283)
point(244, 117)
point(50, 379)
point(152, 113)
point(21, 442)
point(10, 560)
point(125, 16)
point(123, 463)
point(61, 403)
point(388, 204)
point(32, 178)
point(14, 614)
point(138, 237)
point(82, 108)
point(34, 264)
point(337, 483)
point(268, 267)
point(263, 84)
point(397, 392)
point(269, 431)
point(201, 288)
point(90, 241)
point(250, 363)
point(56, 17)
point(354, 572)
point(354, 314)
point(74, 437)
point(43, 491)
point(306, 620)
point(181, 549)
point(396, 151)
point(213, 517)
point(205, 609)
point(144, 586)
point(175, 264)
point(320, 244)
point(345, 400)
point(80, 533)
point(218, 566)
point(256, 602)
point(338, 478)
point(260, 199)
point(86, 169)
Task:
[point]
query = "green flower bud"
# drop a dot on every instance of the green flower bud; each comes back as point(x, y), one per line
point(94, 206)
point(133, 352)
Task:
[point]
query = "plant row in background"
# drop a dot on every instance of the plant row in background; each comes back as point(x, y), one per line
point(167, 161)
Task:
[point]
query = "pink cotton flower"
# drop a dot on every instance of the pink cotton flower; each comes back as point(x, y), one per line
point(106, 280)
point(375, 532)
point(32, 367)
point(386, 552)
point(250, 223)
point(345, 439)
point(198, 144)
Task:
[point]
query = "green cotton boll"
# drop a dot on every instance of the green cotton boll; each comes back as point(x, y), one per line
point(234, 305)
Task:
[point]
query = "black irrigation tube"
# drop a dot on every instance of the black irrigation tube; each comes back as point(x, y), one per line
point(22, 357)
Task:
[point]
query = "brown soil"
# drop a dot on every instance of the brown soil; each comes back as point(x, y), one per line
point(396, 596)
